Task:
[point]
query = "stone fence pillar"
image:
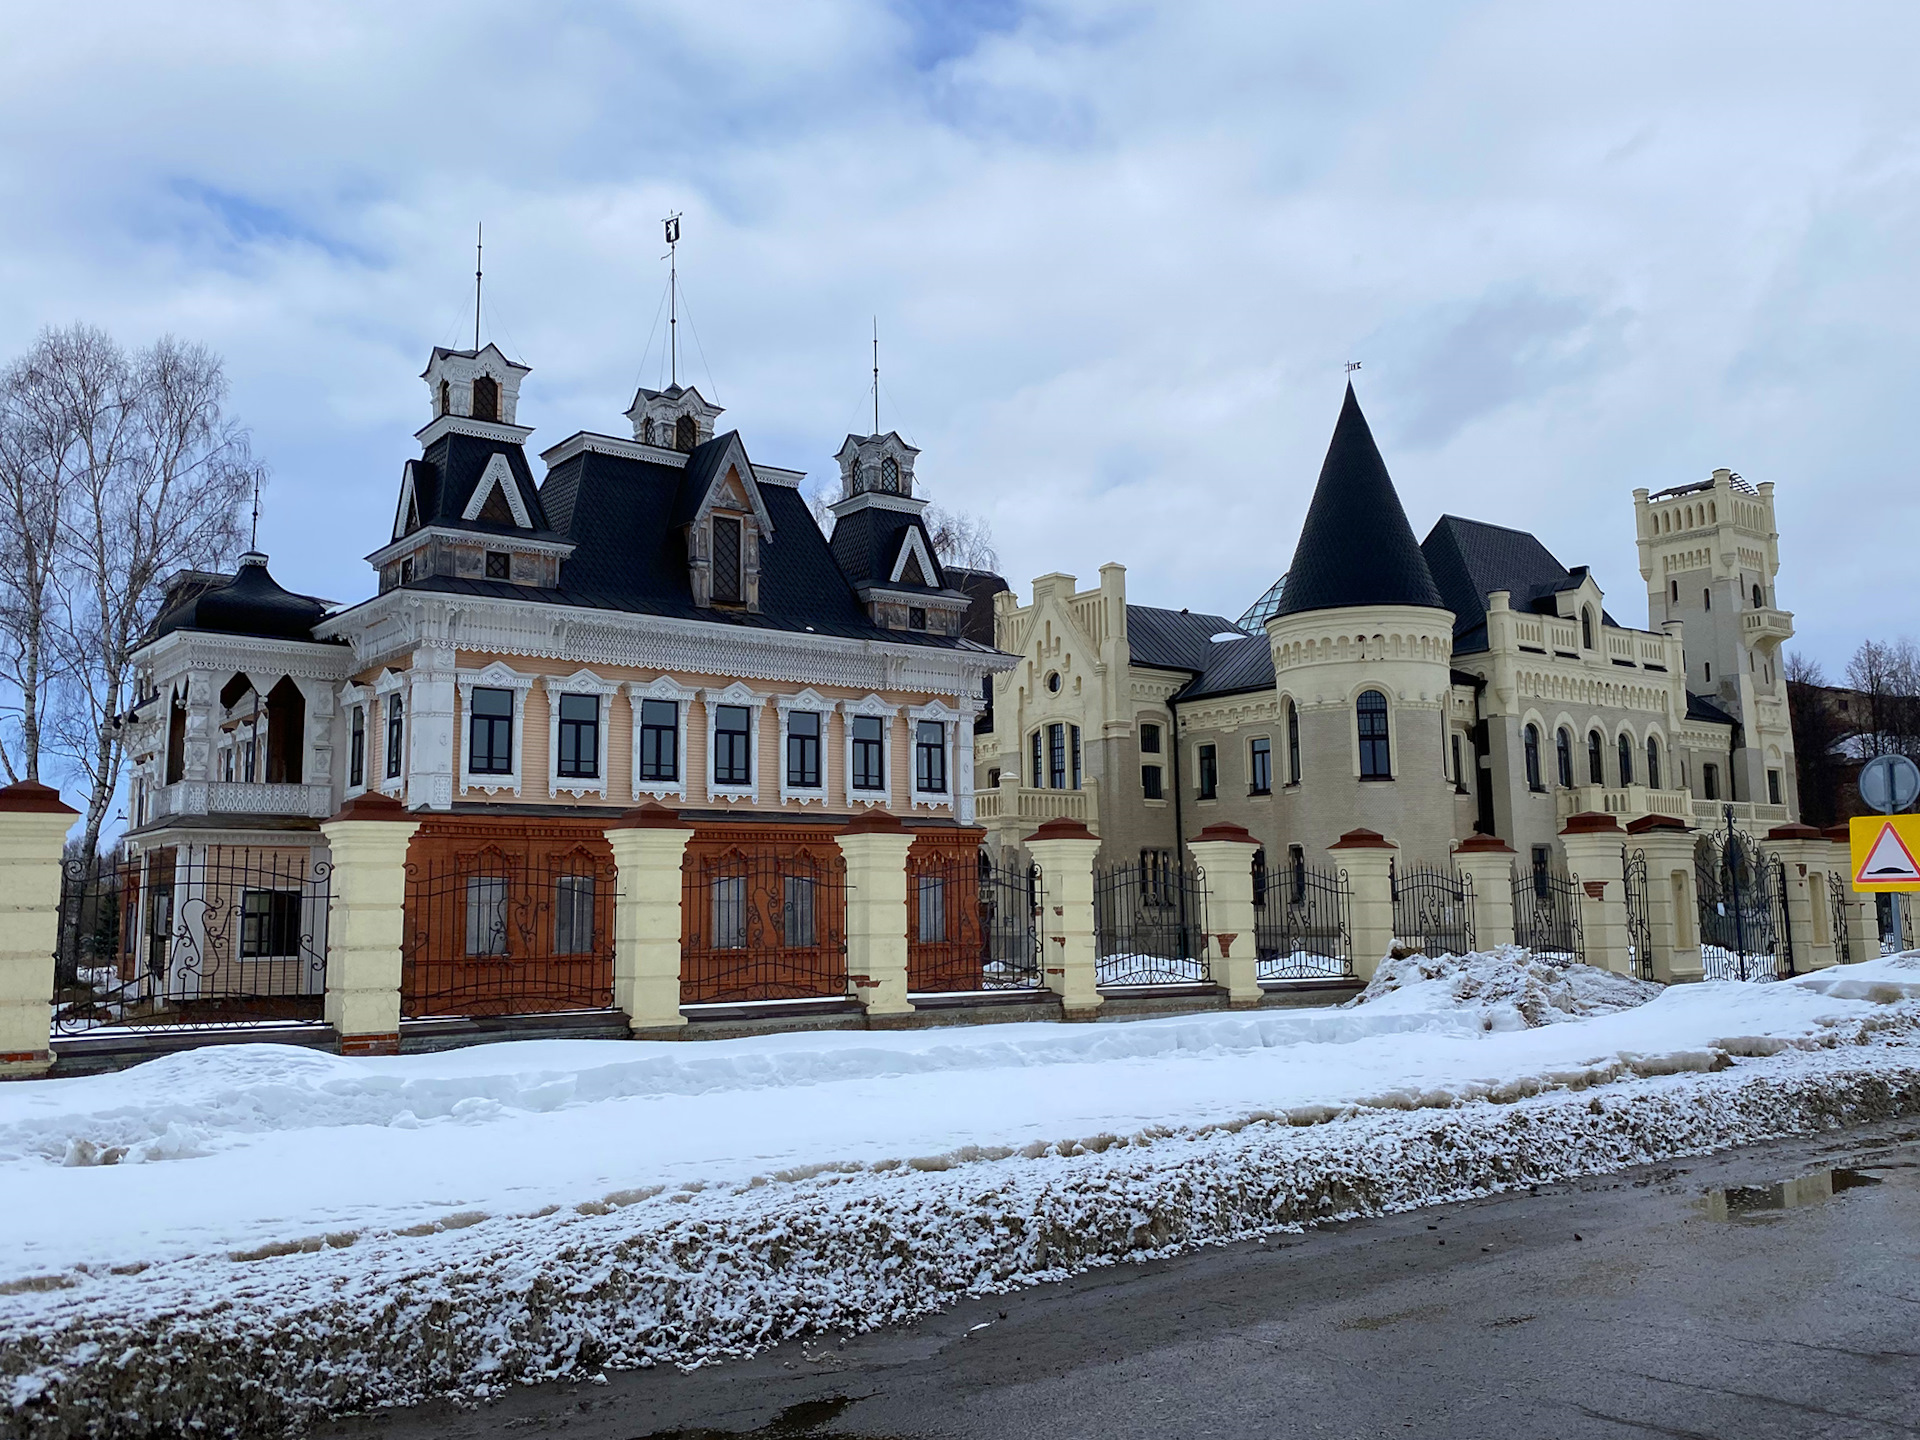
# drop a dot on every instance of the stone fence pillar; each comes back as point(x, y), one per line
point(368, 839)
point(1805, 857)
point(1069, 965)
point(1593, 842)
point(1225, 853)
point(33, 835)
point(1367, 857)
point(1862, 920)
point(1673, 898)
point(876, 844)
point(1487, 861)
point(649, 845)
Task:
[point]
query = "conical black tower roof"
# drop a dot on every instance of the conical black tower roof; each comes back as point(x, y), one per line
point(1356, 547)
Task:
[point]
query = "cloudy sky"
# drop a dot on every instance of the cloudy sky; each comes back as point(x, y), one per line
point(1119, 254)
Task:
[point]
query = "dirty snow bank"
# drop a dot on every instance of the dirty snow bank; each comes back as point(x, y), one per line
point(1508, 988)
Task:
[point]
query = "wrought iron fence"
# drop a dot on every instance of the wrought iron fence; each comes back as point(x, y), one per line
point(1633, 865)
point(1432, 910)
point(1744, 933)
point(1546, 914)
point(1839, 897)
point(504, 933)
point(763, 923)
point(1302, 922)
point(192, 935)
point(1150, 922)
point(973, 922)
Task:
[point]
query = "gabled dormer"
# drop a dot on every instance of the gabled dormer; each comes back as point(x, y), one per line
point(468, 508)
point(725, 522)
point(676, 418)
point(880, 539)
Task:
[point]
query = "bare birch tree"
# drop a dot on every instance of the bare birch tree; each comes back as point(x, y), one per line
point(159, 476)
point(961, 539)
point(35, 450)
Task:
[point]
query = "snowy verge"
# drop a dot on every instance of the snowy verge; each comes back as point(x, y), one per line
point(1509, 988)
point(264, 1341)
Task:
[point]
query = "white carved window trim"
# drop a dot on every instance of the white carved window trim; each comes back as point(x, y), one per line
point(494, 677)
point(393, 682)
point(581, 682)
point(661, 688)
point(873, 705)
point(498, 473)
point(735, 694)
point(808, 701)
point(350, 696)
point(948, 717)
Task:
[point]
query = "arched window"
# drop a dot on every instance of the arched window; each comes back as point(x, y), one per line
point(1371, 712)
point(446, 398)
point(1563, 753)
point(486, 398)
point(890, 475)
point(1533, 757)
point(1626, 760)
point(1293, 744)
point(1653, 763)
point(646, 431)
point(1759, 600)
point(686, 434)
point(1586, 629)
point(1595, 775)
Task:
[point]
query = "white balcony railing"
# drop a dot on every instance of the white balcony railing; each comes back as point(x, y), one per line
point(1034, 807)
point(1628, 802)
point(237, 797)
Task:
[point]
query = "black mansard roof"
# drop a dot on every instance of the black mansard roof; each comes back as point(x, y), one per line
point(1470, 559)
point(250, 602)
point(1356, 547)
point(867, 543)
point(446, 473)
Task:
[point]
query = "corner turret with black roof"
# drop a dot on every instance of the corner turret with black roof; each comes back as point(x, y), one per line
point(881, 543)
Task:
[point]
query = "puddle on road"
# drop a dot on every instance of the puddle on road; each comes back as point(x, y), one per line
point(1739, 1202)
point(796, 1421)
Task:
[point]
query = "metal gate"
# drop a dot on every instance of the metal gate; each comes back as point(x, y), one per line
point(1839, 897)
point(1432, 910)
point(973, 922)
point(1633, 864)
point(763, 924)
point(1150, 922)
point(1302, 922)
point(1744, 933)
point(194, 935)
point(504, 933)
point(1546, 914)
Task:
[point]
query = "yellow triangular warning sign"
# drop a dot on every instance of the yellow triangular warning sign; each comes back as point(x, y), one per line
point(1888, 861)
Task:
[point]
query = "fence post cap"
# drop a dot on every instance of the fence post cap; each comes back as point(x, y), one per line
point(1591, 822)
point(371, 806)
point(1840, 834)
point(1063, 828)
point(650, 816)
point(876, 821)
point(1794, 832)
point(1479, 843)
point(1227, 831)
point(30, 797)
point(1363, 839)
point(1646, 824)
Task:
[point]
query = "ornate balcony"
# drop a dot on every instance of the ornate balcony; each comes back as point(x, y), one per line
point(1748, 814)
point(236, 797)
point(1628, 802)
point(1026, 806)
point(1767, 627)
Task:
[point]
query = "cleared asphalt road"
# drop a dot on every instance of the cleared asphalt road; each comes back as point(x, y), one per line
point(1603, 1308)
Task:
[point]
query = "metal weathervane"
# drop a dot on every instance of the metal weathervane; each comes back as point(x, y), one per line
point(672, 227)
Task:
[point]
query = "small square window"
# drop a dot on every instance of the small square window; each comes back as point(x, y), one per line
point(916, 617)
point(499, 565)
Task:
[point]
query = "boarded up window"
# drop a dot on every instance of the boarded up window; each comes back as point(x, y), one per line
point(726, 559)
point(486, 398)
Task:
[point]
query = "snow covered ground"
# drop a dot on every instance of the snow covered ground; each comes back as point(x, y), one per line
point(372, 1230)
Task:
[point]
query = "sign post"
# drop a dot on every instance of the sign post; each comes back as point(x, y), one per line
point(1886, 847)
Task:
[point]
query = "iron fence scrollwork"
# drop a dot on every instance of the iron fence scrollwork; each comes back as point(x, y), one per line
point(1546, 913)
point(973, 922)
point(1433, 910)
point(1150, 922)
point(1302, 920)
point(1633, 865)
point(1744, 933)
point(763, 923)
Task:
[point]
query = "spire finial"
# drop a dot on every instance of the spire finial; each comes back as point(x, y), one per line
point(672, 227)
point(479, 234)
point(876, 374)
point(253, 539)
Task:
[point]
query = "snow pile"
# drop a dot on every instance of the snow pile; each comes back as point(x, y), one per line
point(1885, 981)
point(1509, 988)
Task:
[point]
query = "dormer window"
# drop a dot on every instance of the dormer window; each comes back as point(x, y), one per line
point(486, 398)
point(686, 434)
point(726, 560)
point(1586, 629)
point(499, 565)
point(890, 475)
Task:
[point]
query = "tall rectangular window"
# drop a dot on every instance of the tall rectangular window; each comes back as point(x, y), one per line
point(490, 733)
point(573, 915)
point(269, 923)
point(930, 757)
point(729, 912)
point(1209, 772)
point(1073, 735)
point(726, 559)
point(1773, 787)
point(1459, 772)
point(580, 736)
point(1150, 782)
point(1149, 739)
point(798, 923)
point(1039, 775)
point(1710, 781)
point(660, 740)
point(396, 735)
point(732, 745)
point(1376, 754)
point(869, 753)
point(1056, 757)
point(932, 896)
point(357, 746)
point(486, 915)
point(1260, 766)
point(803, 750)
